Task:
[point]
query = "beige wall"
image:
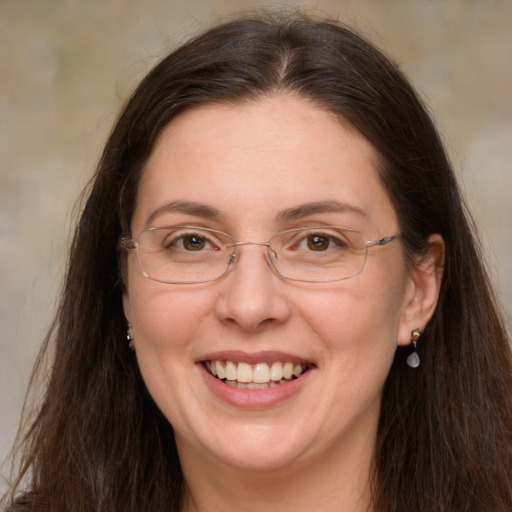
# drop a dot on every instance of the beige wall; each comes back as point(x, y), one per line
point(65, 67)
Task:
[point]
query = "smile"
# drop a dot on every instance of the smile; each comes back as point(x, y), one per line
point(257, 376)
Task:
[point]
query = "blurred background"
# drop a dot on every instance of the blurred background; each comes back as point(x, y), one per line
point(66, 66)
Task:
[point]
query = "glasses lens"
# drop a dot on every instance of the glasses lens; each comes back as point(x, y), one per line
point(183, 254)
point(318, 254)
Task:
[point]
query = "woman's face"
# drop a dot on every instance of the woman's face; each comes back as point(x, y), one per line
point(253, 170)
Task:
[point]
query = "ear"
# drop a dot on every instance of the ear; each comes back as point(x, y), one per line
point(422, 289)
point(126, 304)
point(123, 269)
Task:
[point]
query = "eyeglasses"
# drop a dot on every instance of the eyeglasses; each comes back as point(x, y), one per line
point(188, 254)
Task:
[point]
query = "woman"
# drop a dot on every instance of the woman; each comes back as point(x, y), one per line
point(275, 231)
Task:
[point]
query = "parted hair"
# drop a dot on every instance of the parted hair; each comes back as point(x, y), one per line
point(97, 442)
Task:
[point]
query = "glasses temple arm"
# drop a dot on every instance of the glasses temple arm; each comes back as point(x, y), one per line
point(128, 243)
point(382, 241)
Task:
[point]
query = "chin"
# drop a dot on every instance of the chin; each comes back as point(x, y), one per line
point(252, 447)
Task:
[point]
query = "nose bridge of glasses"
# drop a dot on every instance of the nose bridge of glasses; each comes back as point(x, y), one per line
point(233, 257)
point(238, 244)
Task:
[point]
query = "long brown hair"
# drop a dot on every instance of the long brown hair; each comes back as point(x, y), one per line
point(99, 443)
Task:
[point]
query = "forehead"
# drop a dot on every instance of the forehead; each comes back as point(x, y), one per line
point(251, 161)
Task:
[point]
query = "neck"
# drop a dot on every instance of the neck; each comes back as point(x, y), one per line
point(338, 481)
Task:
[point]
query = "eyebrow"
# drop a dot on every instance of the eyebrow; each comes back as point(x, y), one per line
point(189, 207)
point(307, 209)
point(297, 212)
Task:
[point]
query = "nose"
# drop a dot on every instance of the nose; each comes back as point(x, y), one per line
point(252, 294)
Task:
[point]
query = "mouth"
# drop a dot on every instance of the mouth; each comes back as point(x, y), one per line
point(261, 375)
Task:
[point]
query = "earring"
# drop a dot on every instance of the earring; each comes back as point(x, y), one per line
point(129, 337)
point(414, 359)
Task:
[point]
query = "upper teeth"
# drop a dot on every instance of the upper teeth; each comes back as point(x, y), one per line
point(259, 373)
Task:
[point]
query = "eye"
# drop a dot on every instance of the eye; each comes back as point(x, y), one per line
point(318, 242)
point(192, 242)
point(321, 242)
point(189, 242)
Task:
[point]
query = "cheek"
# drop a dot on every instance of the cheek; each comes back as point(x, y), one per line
point(166, 323)
point(357, 321)
point(165, 318)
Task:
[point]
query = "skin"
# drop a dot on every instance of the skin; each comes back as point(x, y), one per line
point(250, 162)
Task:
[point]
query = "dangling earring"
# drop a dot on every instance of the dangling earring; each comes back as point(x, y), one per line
point(414, 359)
point(129, 337)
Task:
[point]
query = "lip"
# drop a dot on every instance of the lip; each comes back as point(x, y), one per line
point(253, 358)
point(254, 398)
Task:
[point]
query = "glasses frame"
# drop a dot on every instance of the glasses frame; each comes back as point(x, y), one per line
point(132, 244)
